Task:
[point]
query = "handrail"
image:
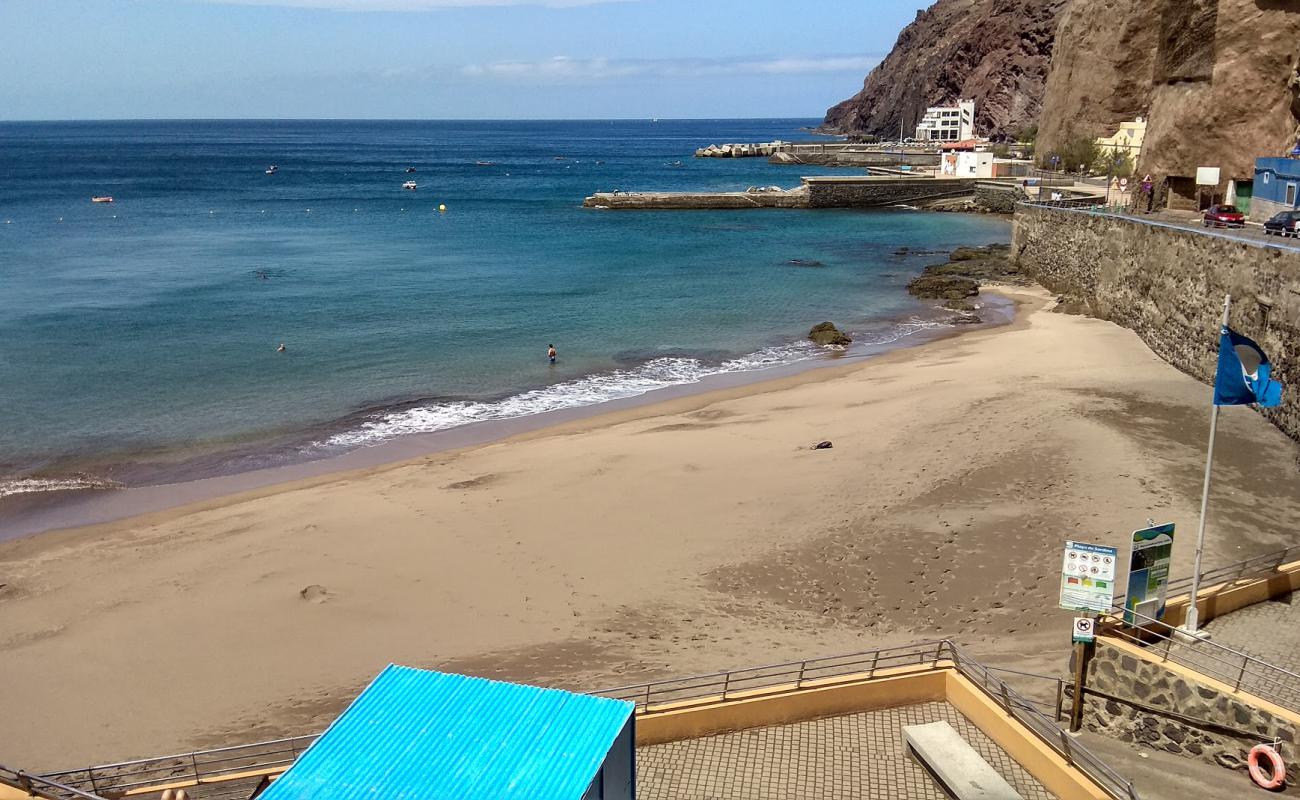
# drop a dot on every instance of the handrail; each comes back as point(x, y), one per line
point(1211, 658)
point(35, 785)
point(191, 766)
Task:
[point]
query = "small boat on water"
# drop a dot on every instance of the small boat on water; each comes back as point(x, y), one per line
point(409, 170)
point(409, 186)
point(101, 199)
point(485, 163)
point(271, 170)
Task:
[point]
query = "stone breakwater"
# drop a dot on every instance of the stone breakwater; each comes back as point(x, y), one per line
point(1167, 284)
point(761, 150)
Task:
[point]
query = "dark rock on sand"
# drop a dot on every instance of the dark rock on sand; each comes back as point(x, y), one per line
point(959, 305)
point(930, 286)
point(965, 270)
point(826, 445)
point(965, 319)
point(826, 333)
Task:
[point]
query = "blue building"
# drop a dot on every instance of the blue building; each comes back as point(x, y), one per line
point(419, 735)
point(1277, 187)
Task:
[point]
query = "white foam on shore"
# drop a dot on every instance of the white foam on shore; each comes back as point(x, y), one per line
point(30, 485)
point(658, 373)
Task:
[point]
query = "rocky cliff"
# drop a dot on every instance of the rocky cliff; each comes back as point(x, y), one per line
point(1217, 80)
point(994, 51)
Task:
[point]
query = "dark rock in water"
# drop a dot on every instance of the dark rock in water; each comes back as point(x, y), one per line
point(826, 333)
point(942, 287)
point(804, 262)
point(826, 445)
point(965, 319)
point(958, 305)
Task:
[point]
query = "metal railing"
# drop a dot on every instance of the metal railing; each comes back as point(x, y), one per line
point(42, 786)
point(1242, 671)
point(1024, 712)
point(228, 761)
point(184, 767)
point(797, 674)
point(1256, 567)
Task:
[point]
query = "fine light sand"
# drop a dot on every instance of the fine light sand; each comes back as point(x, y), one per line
point(668, 540)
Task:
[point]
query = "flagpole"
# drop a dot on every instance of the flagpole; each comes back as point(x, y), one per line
point(1193, 613)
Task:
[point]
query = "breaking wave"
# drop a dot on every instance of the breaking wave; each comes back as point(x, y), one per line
point(658, 373)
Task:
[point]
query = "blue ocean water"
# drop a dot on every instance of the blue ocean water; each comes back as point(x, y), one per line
point(146, 330)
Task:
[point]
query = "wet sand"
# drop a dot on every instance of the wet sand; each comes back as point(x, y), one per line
point(681, 537)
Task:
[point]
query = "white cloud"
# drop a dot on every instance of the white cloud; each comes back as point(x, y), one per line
point(411, 5)
point(563, 68)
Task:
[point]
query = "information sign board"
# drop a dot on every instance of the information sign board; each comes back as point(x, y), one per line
point(1088, 577)
point(1148, 574)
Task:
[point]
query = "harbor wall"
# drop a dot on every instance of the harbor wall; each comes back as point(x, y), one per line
point(833, 192)
point(1167, 284)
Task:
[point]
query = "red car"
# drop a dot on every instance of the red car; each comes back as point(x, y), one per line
point(1224, 217)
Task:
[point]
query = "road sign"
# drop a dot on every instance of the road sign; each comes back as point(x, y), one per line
point(1088, 577)
point(1148, 574)
point(1084, 630)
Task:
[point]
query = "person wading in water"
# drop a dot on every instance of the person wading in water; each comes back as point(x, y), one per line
point(550, 353)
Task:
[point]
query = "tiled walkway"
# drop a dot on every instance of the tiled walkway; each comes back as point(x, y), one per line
point(1269, 631)
point(858, 756)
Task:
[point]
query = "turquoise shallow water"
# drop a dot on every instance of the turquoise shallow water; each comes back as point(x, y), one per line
point(144, 332)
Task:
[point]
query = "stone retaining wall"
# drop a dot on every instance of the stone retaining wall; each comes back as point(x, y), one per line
point(997, 199)
point(1167, 284)
point(868, 192)
point(1161, 702)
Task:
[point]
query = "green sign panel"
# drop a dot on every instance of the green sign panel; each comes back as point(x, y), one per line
point(1148, 574)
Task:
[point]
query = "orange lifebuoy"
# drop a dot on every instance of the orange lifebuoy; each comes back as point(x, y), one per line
point(1277, 774)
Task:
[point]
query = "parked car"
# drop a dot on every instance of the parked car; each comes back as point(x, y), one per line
point(1286, 223)
point(1224, 217)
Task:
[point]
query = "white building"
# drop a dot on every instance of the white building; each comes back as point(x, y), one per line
point(948, 123)
point(967, 164)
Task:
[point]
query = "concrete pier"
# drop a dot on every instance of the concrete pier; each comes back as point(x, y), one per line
point(853, 191)
point(781, 198)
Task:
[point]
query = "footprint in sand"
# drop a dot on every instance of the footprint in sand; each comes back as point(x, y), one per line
point(315, 594)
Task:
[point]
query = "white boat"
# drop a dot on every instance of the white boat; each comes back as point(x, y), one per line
point(101, 199)
point(409, 186)
point(271, 169)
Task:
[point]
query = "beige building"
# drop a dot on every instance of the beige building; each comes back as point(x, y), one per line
point(1127, 139)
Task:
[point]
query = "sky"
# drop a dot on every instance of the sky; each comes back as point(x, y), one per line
point(438, 59)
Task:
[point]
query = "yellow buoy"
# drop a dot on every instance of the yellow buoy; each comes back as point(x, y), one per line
point(441, 208)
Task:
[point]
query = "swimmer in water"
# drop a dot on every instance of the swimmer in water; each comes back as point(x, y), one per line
point(281, 348)
point(550, 353)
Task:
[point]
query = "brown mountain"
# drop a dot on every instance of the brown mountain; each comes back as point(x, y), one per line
point(1218, 80)
point(994, 51)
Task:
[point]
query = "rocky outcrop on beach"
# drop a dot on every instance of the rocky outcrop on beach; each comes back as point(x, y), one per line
point(960, 277)
point(994, 51)
point(826, 333)
point(943, 287)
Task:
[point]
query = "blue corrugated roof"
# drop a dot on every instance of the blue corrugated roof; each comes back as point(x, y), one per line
point(433, 736)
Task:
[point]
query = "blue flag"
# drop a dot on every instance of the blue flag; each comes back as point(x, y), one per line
point(1244, 373)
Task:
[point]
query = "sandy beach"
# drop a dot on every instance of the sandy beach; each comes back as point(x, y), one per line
point(665, 540)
